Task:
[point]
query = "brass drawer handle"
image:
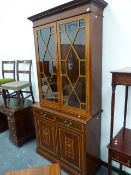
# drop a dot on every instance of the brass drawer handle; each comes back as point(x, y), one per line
point(41, 113)
point(68, 124)
point(44, 115)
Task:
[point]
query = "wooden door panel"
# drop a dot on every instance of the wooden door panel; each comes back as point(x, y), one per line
point(46, 135)
point(70, 147)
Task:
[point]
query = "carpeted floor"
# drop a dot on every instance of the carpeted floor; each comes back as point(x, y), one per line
point(16, 158)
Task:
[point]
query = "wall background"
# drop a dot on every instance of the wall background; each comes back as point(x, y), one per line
point(17, 42)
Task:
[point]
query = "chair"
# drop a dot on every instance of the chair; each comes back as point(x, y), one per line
point(8, 73)
point(23, 72)
point(53, 169)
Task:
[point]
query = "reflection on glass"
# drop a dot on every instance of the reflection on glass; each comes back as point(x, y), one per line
point(82, 67)
point(54, 66)
point(62, 27)
point(51, 47)
point(63, 67)
point(52, 29)
point(72, 67)
point(65, 45)
point(73, 101)
point(45, 34)
point(72, 44)
point(80, 89)
point(71, 29)
point(47, 63)
point(66, 87)
point(79, 43)
point(82, 22)
point(41, 46)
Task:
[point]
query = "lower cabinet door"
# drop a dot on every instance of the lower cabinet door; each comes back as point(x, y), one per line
point(70, 147)
point(46, 135)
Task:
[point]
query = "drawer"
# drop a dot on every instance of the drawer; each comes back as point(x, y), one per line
point(69, 123)
point(121, 159)
point(44, 114)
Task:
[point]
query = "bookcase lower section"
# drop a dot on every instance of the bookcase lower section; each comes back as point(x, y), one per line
point(68, 141)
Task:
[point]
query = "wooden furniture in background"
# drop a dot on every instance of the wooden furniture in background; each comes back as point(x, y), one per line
point(3, 122)
point(23, 82)
point(18, 113)
point(119, 148)
point(67, 119)
point(8, 74)
point(53, 169)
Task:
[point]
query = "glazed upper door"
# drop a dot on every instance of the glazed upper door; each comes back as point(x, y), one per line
point(47, 62)
point(73, 56)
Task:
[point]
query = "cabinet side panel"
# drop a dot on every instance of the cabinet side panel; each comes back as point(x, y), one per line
point(96, 61)
point(93, 134)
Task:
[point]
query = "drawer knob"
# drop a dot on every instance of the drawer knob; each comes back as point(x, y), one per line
point(44, 114)
point(41, 113)
point(70, 123)
point(65, 122)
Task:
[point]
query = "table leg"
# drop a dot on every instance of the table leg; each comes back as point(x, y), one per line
point(109, 163)
point(120, 169)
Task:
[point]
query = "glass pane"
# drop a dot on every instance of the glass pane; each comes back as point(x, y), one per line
point(65, 45)
point(63, 67)
point(52, 29)
point(72, 43)
point(54, 66)
point(62, 27)
point(72, 67)
point(71, 29)
point(47, 63)
point(82, 23)
point(73, 101)
point(45, 34)
point(51, 47)
point(41, 46)
point(82, 68)
point(66, 87)
point(53, 83)
point(41, 66)
point(79, 43)
point(49, 94)
point(47, 56)
point(81, 90)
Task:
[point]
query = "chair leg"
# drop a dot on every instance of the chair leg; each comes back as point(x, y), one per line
point(32, 94)
point(18, 94)
point(120, 169)
point(4, 96)
point(21, 94)
point(7, 92)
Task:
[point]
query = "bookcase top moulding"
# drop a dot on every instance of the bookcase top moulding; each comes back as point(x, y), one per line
point(67, 6)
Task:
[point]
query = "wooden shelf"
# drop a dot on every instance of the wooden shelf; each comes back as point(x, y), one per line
point(122, 142)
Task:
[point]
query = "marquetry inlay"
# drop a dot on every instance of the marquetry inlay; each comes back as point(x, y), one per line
point(46, 136)
point(69, 147)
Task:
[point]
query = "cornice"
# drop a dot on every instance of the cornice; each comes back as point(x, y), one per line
point(67, 6)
